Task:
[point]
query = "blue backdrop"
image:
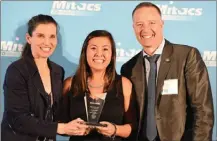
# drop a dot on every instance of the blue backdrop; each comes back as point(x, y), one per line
point(186, 22)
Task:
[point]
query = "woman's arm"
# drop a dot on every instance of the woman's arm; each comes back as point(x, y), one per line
point(124, 130)
point(67, 85)
point(71, 127)
point(64, 108)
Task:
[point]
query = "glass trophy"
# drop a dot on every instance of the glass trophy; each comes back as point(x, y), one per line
point(94, 107)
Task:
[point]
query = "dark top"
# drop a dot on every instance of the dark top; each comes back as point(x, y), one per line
point(113, 111)
point(28, 114)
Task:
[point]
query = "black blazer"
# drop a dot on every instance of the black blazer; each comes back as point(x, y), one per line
point(25, 101)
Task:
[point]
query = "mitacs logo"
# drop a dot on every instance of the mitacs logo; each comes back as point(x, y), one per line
point(123, 55)
point(11, 48)
point(74, 8)
point(209, 57)
point(171, 12)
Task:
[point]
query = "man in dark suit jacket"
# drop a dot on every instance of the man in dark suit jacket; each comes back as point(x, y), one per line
point(183, 108)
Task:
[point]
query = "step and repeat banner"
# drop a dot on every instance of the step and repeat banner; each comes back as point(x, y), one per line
point(186, 22)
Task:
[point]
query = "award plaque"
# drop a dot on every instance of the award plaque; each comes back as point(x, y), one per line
point(94, 107)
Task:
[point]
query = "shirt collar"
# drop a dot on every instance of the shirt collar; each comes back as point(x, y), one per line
point(159, 50)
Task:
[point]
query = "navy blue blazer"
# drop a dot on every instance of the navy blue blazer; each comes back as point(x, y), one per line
point(26, 101)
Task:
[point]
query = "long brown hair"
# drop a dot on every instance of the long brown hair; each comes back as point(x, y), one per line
point(83, 71)
point(32, 24)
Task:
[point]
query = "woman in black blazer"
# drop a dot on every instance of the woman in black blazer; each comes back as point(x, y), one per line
point(33, 87)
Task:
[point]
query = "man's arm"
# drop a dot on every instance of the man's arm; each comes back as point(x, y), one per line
point(199, 92)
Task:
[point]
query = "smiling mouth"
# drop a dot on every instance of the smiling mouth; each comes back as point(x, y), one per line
point(45, 48)
point(146, 36)
point(100, 61)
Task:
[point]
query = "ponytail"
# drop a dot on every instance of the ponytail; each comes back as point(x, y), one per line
point(26, 50)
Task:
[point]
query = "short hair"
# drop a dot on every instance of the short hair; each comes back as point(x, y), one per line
point(146, 4)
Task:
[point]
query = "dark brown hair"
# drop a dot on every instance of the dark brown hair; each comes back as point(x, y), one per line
point(32, 24)
point(146, 4)
point(83, 71)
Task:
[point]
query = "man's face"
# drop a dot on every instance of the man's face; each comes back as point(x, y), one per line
point(148, 27)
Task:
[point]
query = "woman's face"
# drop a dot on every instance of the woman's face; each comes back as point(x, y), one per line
point(43, 40)
point(99, 53)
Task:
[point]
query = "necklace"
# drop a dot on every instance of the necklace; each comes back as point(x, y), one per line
point(99, 86)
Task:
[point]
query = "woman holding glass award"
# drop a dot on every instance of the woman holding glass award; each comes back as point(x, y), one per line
point(97, 95)
point(33, 86)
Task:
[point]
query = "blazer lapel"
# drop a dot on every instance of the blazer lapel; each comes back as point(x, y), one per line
point(34, 74)
point(38, 84)
point(138, 78)
point(56, 82)
point(56, 85)
point(166, 60)
point(36, 78)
